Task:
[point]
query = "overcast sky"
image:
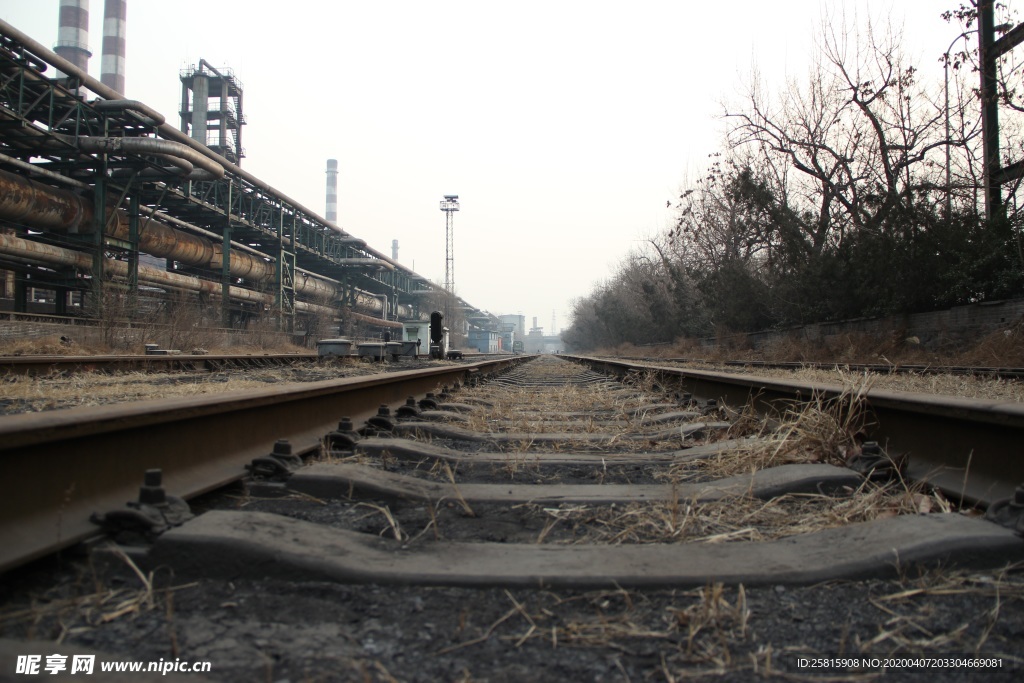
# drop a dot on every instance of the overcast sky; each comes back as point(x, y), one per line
point(563, 125)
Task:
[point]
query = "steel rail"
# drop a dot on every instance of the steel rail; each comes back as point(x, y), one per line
point(1002, 372)
point(969, 448)
point(47, 364)
point(60, 467)
point(43, 365)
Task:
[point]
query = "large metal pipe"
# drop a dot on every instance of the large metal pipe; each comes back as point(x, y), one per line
point(166, 130)
point(27, 251)
point(171, 133)
point(44, 172)
point(146, 146)
point(150, 116)
point(112, 62)
point(33, 204)
point(368, 262)
point(40, 206)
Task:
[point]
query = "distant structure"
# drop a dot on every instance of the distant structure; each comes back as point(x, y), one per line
point(515, 324)
point(115, 14)
point(394, 250)
point(211, 109)
point(512, 329)
point(332, 191)
point(538, 342)
point(73, 34)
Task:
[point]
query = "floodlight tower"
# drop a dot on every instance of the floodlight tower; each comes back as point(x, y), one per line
point(450, 204)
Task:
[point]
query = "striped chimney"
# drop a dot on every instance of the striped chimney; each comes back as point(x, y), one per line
point(114, 26)
point(394, 250)
point(332, 191)
point(73, 34)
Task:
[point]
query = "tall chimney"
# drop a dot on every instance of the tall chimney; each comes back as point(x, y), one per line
point(332, 190)
point(73, 34)
point(394, 250)
point(112, 63)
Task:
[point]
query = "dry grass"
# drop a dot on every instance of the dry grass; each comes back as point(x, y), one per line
point(613, 411)
point(82, 612)
point(818, 431)
point(33, 394)
point(49, 346)
point(913, 624)
point(717, 630)
point(963, 386)
point(999, 349)
point(733, 519)
point(699, 627)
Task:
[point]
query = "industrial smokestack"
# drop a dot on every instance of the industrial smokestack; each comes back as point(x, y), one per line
point(112, 62)
point(73, 34)
point(394, 250)
point(332, 190)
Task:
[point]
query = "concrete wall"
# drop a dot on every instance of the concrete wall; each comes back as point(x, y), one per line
point(130, 339)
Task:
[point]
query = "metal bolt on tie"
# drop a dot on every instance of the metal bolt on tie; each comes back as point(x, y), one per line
point(344, 437)
point(152, 514)
point(279, 464)
point(381, 422)
point(1009, 512)
point(410, 409)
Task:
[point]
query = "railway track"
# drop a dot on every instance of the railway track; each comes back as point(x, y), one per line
point(991, 371)
point(48, 365)
point(513, 527)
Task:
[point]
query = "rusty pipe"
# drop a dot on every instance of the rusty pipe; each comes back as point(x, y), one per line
point(152, 146)
point(44, 172)
point(40, 206)
point(36, 252)
point(368, 262)
point(165, 129)
point(149, 116)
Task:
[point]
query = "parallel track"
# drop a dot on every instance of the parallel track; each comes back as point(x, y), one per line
point(62, 466)
point(49, 364)
point(992, 371)
point(549, 475)
point(44, 365)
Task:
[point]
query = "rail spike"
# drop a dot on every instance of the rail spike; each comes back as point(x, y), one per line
point(344, 437)
point(1009, 512)
point(380, 424)
point(409, 410)
point(152, 514)
point(278, 465)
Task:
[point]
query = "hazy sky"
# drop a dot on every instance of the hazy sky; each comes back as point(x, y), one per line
point(563, 125)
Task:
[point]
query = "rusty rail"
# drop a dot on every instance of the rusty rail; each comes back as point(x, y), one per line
point(61, 466)
point(969, 448)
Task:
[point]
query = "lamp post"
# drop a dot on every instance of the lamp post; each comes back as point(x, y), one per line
point(450, 204)
point(949, 180)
